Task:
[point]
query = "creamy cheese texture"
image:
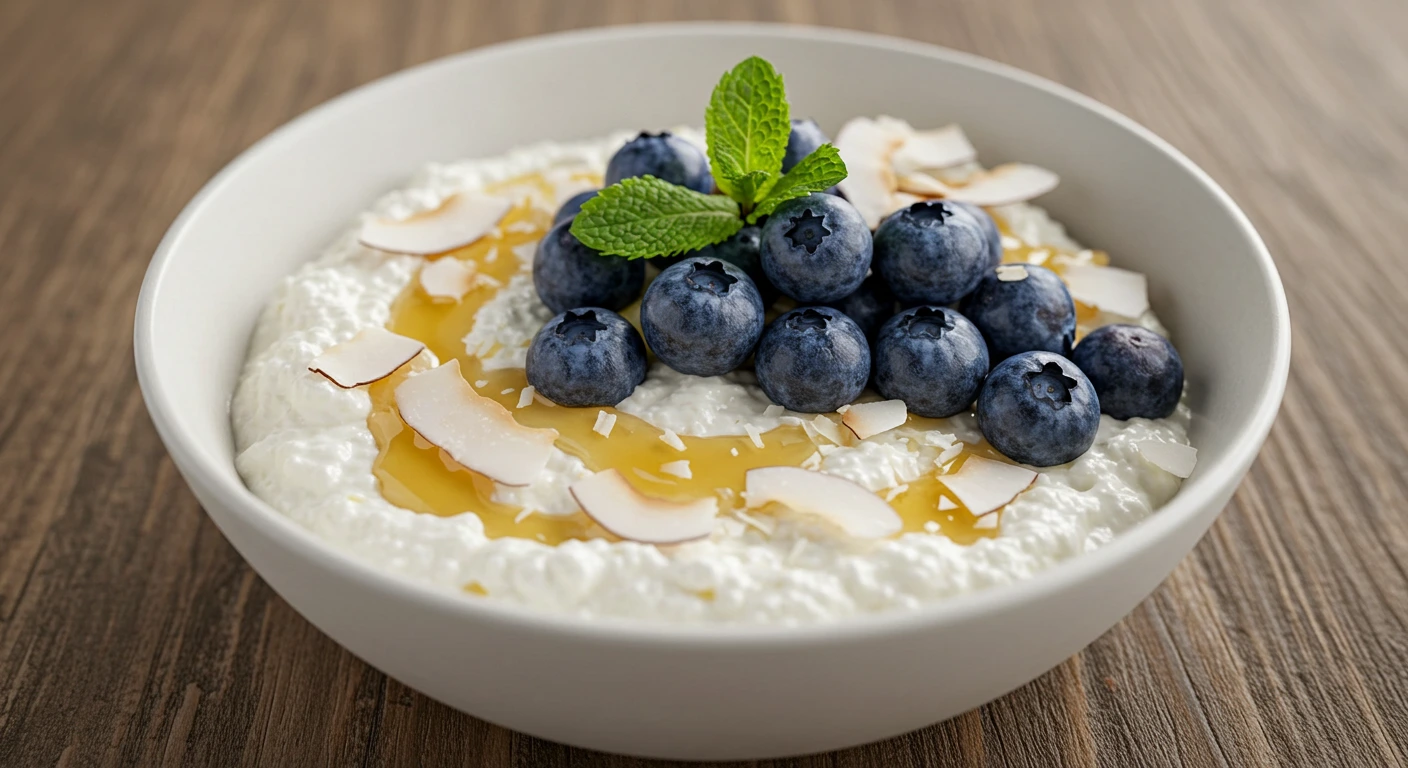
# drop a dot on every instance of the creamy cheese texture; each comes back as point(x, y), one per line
point(303, 446)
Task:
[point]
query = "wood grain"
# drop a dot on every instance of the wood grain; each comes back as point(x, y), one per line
point(132, 634)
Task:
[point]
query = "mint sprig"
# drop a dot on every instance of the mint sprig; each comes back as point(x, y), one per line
point(747, 124)
point(817, 172)
point(644, 216)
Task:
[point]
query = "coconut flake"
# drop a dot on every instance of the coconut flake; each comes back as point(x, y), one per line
point(449, 278)
point(983, 485)
point(827, 429)
point(847, 505)
point(1006, 184)
point(618, 507)
point(773, 411)
point(1174, 458)
point(867, 147)
point(1109, 289)
point(945, 504)
point(754, 435)
point(679, 469)
point(605, 422)
point(476, 432)
point(372, 355)
point(1011, 273)
point(1003, 185)
point(868, 419)
point(895, 491)
point(671, 439)
point(985, 522)
point(525, 396)
point(934, 150)
point(460, 220)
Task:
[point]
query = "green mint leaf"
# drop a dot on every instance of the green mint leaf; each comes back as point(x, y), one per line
point(751, 186)
point(747, 126)
point(819, 171)
point(644, 216)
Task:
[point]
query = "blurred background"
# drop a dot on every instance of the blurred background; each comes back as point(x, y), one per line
point(131, 633)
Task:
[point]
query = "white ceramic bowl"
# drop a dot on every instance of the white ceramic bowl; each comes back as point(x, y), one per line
point(707, 692)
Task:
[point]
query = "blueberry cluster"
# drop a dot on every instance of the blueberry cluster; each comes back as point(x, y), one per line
point(968, 332)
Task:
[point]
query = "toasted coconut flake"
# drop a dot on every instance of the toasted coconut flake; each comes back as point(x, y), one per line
point(851, 507)
point(945, 504)
point(605, 422)
point(984, 485)
point(754, 435)
point(923, 184)
point(868, 147)
point(448, 278)
point(677, 468)
point(525, 396)
point(460, 220)
point(671, 439)
point(371, 355)
point(1175, 458)
point(1109, 289)
point(476, 432)
point(1005, 184)
point(618, 507)
point(827, 429)
point(869, 419)
point(934, 150)
point(1011, 273)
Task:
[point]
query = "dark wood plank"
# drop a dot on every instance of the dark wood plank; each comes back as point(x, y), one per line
point(131, 634)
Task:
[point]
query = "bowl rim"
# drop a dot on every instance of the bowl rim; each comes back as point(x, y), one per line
point(197, 465)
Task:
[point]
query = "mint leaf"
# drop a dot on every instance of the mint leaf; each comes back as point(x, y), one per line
point(747, 126)
point(750, 186)
point(644, 216)
point(819, 171)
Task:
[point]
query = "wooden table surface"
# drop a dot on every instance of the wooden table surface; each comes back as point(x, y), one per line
point(131, 633)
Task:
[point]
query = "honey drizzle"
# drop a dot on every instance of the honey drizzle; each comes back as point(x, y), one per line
point(419, 477)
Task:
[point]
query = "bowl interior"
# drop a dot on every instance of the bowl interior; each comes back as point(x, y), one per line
point(1122, 191)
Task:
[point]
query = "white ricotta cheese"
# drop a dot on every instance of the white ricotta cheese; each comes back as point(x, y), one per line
point(304, 447)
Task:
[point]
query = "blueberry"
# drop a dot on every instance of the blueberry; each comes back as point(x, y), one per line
point(1135, 371)
point(664, 156)
point(743, 251)
point(568, 274)
point(813, 360)
point(1033, 313)
point(816, 248)
point(933, 359)
point(702, 316)
point(931, 253)
point(587, 356)
point(573, 206)
point(805, 137)
point(994, 235)
point(1039, 409)
point(870, 305)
